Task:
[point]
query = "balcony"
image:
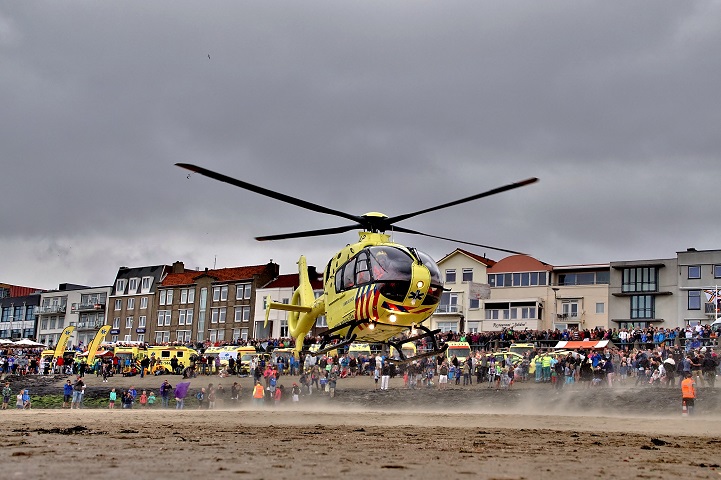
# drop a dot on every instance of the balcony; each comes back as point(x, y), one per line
point(87, 307)
point(711, 309)
point(50, 309)
point(448, 309)
point(94, 325)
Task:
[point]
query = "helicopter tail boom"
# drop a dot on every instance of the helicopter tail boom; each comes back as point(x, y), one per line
point(303, 308)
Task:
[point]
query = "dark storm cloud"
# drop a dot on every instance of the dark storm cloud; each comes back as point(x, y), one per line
point(362, 106)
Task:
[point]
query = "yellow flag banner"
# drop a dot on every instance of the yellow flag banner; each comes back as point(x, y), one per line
point(63, 341)
point(93, 347)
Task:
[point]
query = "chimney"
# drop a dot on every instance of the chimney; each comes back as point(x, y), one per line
point(178, 267)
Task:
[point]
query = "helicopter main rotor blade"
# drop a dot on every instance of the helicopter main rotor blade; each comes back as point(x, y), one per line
point(268, 193)
point(504, 188)
point(309, 233)
point(414, 232)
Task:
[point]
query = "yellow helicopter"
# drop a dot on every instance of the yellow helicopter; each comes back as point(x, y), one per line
point(374, 290)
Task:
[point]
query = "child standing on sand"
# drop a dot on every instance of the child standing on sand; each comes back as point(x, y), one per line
point(111, 400)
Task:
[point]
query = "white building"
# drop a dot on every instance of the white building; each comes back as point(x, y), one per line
point(78, 305)
point(465, 278)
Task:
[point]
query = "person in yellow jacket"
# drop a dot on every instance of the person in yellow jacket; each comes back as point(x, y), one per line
point(546, 362)
point(258, 393)
point(688, 392)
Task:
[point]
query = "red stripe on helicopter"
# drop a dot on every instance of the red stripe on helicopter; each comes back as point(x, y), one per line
point(401, 308)
point(376, 297)
point(361, 302)
point(394, 307)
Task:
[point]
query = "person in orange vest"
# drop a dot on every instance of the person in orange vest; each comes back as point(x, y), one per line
point(258, 393)
point(688, 392)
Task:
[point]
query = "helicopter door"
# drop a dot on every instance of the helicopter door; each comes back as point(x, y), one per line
point(362, 275)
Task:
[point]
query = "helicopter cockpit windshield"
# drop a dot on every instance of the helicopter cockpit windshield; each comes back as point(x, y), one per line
point(390, 264)
point(436, 288)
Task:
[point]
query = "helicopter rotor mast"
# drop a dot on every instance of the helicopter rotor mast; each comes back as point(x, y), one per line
point(372, 222)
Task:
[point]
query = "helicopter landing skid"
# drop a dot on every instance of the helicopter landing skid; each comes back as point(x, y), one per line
point(328, 336)
point(435, 349)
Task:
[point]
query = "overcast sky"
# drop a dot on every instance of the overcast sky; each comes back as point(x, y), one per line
point(359, 106)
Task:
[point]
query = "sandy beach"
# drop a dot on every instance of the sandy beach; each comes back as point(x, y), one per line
point(530, 431)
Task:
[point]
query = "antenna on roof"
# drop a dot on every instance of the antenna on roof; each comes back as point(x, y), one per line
point(215, 259)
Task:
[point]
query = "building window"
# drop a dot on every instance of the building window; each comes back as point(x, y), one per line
point(162, 337)
point(141, 337)
point(640, 279)
point(451, 275)
point(220, 294)
point(221, 315)
point(185, 317)
point(467, 274)
point(447, 326)
point(474, 303)
point(242, 314)
point(694, 299)
point(694, 271)
point(216, 335)
point(236, 334)
point(169, 298)
point(600, 307)
point(242, 291)
point(163, 318)
point(142, 319)
point(118, 304)
point(116, 322)
point(128, 322)
point(717, 271)
point(143, 303)
point(522, 279)
point(214, 313)
point(244, 333)
point(642, 306)
point(284, 328)
point(131, 303)
point(133, 285)
point(449, 303)
point(145, 284)
point(120, 286)
point(183, 336)
point(162, 297)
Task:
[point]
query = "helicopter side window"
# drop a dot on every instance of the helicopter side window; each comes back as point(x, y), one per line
point(339, 280)
point(431, 266)
point(436, 288)
point(363, 275)
point(349, 275)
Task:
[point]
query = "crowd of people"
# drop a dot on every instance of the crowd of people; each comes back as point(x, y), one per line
point(636, 357)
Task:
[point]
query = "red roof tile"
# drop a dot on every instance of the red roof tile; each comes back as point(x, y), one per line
point(291, 281)
point(519, 263)
point(220, 275)
point(486, 261)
